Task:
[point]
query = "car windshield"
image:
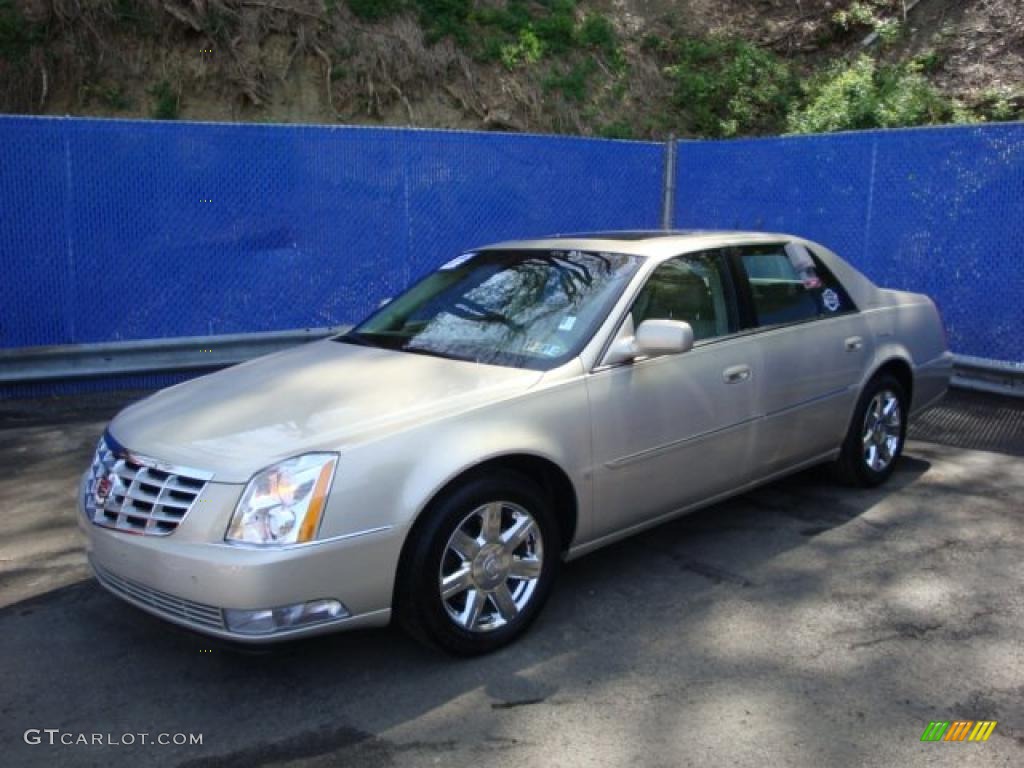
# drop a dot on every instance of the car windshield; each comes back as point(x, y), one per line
point(525, 309)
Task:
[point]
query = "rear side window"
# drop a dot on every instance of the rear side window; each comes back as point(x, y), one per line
point(789, 285)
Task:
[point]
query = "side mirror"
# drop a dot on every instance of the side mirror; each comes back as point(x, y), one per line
point(653, 338)
point(663, 337)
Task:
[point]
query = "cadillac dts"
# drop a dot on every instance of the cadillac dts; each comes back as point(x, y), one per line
point(525, 404)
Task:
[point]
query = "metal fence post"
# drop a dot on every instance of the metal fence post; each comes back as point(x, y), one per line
point(668, 185)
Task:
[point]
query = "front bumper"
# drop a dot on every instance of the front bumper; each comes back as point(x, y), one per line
point(191, 582)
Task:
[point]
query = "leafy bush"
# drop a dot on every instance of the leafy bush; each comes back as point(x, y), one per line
point(511, 18)
point(372, 10)
point(726, 87)
point(446, 18)
point(165, 106)
point(17, 36)
point(111, 96)
point(558, 29)
point(619, 129)
point(859, 14)
point(527, 50)
point(928, 60)
point(998, 105)
point(864, 95)
point(573, 83)
point(598, 33)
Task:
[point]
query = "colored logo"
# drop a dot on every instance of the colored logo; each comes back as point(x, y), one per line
point(958, 730)
point(831, 299)
point(103, 487)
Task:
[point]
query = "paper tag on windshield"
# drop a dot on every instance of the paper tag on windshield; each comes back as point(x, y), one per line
point(567, 323)
point(458, 260)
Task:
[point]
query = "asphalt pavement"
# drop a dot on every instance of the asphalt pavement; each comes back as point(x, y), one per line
point(802, 624)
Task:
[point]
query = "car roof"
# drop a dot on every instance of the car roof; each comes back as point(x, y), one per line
point(649, 243)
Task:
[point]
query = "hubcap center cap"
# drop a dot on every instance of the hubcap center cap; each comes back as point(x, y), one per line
point(491, 566)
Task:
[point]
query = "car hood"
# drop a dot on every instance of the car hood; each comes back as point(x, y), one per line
point(320, 396)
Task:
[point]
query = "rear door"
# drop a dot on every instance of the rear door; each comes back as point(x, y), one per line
point(814, 345)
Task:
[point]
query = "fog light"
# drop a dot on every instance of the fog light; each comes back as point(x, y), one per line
point(269, 620)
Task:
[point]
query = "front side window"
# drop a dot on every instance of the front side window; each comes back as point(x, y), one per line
point(788, 285)
point(692, 288)
point(525, 309)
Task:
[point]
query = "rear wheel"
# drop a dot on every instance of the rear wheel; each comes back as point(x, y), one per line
point(875, 440)
point(480, 565)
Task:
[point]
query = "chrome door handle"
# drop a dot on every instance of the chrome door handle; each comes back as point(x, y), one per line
point(736, 373)
point(854, 343)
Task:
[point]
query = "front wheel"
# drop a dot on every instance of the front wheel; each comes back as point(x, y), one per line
point(877, 432)
point(480, 565)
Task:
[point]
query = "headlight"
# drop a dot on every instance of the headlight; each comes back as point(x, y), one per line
point(282, 504)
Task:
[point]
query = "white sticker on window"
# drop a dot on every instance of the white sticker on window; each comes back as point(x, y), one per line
point(567, 323)
point(831, 299)
point(458, 260)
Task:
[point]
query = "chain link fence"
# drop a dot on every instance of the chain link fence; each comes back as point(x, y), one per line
point(934, 210)
point(116, 230)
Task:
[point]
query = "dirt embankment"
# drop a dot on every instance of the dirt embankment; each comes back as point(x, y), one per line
point(405, 62)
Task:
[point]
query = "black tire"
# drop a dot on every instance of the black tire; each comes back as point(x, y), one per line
point(853, 467)
point(419, 607)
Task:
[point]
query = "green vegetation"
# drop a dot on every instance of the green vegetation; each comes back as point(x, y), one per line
point(616, 130)
point(17, 35)
point(859, 14)
point(165, 105)
point(372, 10)
point(864, 94)
point(598, 33)
point(562, 61)
point(527, 50)
point(864, 14)
point(112, 97)
point(518, 33)
point(727, 87)
point(446, 18)
point(572, 83)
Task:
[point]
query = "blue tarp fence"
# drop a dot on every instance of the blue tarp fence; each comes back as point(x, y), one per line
point(117, 230)
point(934, 210)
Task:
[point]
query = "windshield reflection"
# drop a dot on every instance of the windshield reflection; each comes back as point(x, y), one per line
point(527, 309)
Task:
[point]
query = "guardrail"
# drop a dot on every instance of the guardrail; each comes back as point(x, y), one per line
point(30, 365)
point(991, 376)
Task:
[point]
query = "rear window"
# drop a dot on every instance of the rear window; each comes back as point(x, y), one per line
point(788, 284)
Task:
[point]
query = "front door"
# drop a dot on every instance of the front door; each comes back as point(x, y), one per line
point(674, 430)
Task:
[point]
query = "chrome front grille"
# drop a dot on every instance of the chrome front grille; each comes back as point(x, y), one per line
point(161, 602)
point(133, 493)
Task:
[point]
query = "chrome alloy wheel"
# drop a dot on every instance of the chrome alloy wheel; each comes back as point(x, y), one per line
point(491, 566)
point(883, 427)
